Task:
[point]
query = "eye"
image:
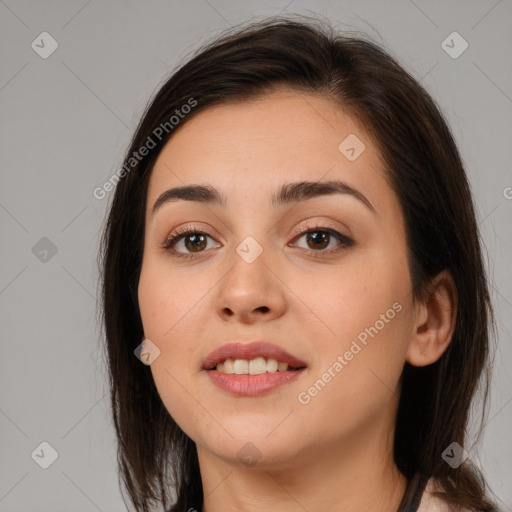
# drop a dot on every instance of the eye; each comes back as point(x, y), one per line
point(187, 242)
point(190, 241)
point(319, 238)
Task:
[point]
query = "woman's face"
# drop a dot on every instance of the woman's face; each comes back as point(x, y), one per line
point(259, 269)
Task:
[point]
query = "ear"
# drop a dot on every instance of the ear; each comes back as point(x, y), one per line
point(434, 321)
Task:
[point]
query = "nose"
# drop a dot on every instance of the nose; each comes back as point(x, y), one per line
point(251, 292)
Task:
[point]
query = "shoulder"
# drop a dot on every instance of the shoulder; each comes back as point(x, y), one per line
point(431, 503)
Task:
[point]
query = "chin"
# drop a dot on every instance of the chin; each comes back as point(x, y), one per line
point(261, 451)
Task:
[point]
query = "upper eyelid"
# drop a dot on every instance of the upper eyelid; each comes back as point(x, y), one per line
point(186, 230)
point(301, 229)
point(318, 225)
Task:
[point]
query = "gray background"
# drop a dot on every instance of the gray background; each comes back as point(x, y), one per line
point(65, 123)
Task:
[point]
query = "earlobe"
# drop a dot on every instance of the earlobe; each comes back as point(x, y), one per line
point(435, 322)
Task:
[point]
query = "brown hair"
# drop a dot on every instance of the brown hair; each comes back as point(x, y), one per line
point(424, 168)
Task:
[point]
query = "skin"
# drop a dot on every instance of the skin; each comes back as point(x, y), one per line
point(335, 452)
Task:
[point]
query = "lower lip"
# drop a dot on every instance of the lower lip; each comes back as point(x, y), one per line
point(252, 385)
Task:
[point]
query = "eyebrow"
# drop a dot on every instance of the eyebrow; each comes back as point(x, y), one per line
point(287, 194)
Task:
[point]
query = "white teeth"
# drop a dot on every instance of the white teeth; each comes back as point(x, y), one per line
point(272, 365)
point(241, 366)
point(229, 366)
point(256, 366)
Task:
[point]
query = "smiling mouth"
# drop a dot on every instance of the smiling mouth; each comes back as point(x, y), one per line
point(256, 366)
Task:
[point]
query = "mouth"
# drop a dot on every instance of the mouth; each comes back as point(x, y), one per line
point(255, 366)
point(252, 358)
point(251, 369)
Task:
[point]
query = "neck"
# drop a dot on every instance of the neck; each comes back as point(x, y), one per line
point(354, 476)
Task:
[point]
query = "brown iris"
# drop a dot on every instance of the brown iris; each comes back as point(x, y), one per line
point(318, 237)
point(197, 242)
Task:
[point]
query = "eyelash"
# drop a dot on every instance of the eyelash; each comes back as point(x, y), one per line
point(175, 237)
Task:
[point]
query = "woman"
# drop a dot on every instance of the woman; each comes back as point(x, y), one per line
point(292, 255)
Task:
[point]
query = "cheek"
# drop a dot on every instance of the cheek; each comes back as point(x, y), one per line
point(170, 308)
point(361, 296)
point(360, 368)
point(168, 300)
point(362, 320)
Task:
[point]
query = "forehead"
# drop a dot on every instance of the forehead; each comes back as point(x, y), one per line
point(260, 143)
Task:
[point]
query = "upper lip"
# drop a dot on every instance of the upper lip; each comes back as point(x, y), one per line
point(250, 351)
